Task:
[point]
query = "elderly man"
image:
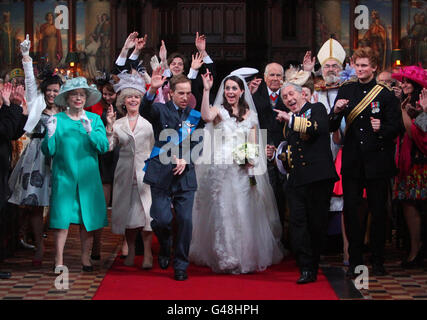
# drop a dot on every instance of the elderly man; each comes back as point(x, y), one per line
point(266, 96)
point(308, 159)
point(386, 78)
point(331, 57)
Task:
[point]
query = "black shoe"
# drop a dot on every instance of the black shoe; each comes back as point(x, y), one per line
point(95, 257)
point(180, 275)
point(379, 270)
point(164, 262)
point(5, 275)
point(417, 262)
point(350, 273)
point(87, 268)
point(307, 277)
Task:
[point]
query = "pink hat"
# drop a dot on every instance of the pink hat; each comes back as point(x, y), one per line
point(414, 73)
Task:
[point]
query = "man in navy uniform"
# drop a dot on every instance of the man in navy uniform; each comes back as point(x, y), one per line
point(308, 160)
point(172, 182)
point(373, 120)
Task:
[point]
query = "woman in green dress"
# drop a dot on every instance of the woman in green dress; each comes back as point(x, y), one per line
point(74, 140)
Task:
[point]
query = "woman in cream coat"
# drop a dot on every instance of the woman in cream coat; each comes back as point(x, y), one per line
point(131, 197)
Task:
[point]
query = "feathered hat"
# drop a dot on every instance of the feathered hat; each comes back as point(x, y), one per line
point(128, 84)
point(414, 73)
point(296, 76)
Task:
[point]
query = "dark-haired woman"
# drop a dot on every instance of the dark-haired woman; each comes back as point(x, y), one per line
point(411, 182)
point(236, 225)
point(108, 160)
point(30, 179)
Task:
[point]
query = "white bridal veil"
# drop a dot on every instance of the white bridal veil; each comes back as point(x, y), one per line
point(260, 170)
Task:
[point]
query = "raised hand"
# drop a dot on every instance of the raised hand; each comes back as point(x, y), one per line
point(197, 61)
point(397, 91)
point(25, 46)
point(86, 122)
point(6, 92)
point(308, 62)
point(207, 80)
point(18, 95)
point(423, 99)
point(111, 117)
point(254, 85)
point(140, 43)
point(157, 80)
point(130, 41)
point(200, 43)
point(163, 52)
point(340, 105)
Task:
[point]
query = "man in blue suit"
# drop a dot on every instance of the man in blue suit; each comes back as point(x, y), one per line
point(170, 169)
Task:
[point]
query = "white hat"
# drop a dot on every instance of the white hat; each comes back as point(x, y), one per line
point(295, 76)
point(331, 49)
point(244, 72)
point(128, 80)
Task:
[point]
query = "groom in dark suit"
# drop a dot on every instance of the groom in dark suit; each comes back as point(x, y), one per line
point(170, 170)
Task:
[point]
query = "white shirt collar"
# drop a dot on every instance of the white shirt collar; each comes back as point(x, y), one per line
point(271, 91)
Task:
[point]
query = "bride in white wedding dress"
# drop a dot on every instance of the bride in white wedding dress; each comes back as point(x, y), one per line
point(236, 225)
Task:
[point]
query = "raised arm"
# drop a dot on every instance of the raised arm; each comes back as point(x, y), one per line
point(146, 109)
point(208, 113)
point(27, 63)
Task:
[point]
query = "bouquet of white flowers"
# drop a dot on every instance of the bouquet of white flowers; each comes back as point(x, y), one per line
point(247, 153)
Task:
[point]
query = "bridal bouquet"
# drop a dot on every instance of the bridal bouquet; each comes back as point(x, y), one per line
point(244, 154)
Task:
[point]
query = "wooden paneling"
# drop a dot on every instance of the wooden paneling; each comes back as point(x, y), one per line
point(220, 22)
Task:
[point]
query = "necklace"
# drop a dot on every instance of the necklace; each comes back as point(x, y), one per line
point(132, 118)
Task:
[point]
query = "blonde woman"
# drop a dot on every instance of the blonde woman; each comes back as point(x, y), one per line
point(131, 197)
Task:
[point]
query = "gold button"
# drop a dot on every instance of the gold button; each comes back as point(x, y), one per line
point(292, 166)
point(303, 163)
point(299, 149)
point(301, 156)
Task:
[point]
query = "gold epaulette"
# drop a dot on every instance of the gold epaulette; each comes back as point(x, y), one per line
point(352, 80)
point(301, 124)
point(385, 85)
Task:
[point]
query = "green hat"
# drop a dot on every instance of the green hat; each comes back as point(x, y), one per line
point(92, 93)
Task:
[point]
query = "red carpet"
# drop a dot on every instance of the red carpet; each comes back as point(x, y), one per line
point(275, 283)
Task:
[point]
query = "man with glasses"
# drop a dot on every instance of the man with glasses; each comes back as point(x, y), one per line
point(385, 77)
point(331, 57)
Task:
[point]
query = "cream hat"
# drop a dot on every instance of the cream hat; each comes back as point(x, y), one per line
point(331, 49)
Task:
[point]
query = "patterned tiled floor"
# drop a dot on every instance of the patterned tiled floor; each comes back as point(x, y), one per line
point(28, 282)
point(399, 284)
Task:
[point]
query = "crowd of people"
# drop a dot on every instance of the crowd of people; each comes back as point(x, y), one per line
point(231, 180)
